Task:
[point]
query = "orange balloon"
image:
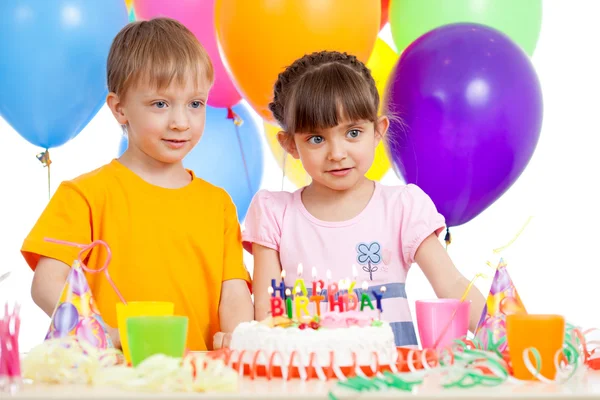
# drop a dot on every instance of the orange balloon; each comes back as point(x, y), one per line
point(259, 38)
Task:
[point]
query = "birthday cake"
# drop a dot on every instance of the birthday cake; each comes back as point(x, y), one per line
point(339, 339)
point(344, 331)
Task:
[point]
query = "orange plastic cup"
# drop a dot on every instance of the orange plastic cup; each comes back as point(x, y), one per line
point(545, 333)
point(139, 309)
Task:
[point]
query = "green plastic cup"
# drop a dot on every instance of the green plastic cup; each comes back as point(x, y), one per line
point(150, 335)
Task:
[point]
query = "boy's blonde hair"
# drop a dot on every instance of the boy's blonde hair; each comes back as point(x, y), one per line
point(156, 52)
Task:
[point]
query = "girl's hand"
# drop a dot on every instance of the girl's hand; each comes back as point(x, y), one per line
point(221, 340)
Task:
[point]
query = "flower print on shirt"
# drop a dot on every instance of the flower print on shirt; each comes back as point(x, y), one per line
point(369, 256)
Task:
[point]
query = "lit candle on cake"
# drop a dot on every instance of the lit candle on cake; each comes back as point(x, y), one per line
point(317, 286)
point(348, 286)
point(277, 307)
point(365, 300)
point(378, 298)
point(301, 303)
point(330, 285)
point(299, 284)
point(278, 288)
point(351, 299)
point(288, 303)
point(316, 297)
point(332, 290)
point(283, 293)
point(354, 277)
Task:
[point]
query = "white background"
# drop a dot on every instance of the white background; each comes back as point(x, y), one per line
point(553, 264)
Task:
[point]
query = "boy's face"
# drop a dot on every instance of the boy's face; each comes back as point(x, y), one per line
point(163, 125)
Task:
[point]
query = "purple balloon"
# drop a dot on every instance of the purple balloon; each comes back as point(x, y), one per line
point(472, 107)
point(65, 318)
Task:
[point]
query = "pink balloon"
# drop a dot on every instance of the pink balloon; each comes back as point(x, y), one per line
point(199, 17)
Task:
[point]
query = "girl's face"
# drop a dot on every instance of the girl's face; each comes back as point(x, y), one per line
point(338, 157)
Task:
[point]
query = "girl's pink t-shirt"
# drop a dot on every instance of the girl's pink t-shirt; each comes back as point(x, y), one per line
point(380, 242)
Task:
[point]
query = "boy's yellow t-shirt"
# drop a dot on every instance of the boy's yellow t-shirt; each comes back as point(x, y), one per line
point(174, 245)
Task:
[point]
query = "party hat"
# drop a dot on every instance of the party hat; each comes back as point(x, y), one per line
point(502, 300)
point(76, 313)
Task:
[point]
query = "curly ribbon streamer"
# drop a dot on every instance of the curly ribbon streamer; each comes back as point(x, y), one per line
point(514, 239)
point(469, 366)
point(500, 249)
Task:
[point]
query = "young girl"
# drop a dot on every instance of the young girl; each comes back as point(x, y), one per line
point(326, 104)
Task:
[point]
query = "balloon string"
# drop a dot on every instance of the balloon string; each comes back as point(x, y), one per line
point(237, 122)
point(448, 237)
point(49, 191)
point(44, 158)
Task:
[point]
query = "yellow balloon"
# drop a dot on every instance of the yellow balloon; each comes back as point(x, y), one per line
point(128, 3)
point(381, 63)
point(294, 170)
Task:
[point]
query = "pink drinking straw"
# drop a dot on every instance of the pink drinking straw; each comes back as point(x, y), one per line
point(86, 247)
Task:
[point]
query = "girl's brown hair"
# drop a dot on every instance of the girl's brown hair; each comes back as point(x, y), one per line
point(320, 89)
point(157, 52)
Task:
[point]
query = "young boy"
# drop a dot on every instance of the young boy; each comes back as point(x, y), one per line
point(173, 236)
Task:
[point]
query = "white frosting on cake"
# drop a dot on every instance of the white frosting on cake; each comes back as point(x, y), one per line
point(251, 337)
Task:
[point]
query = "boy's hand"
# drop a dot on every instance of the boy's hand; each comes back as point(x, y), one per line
point(221, 340)
point(114, 335)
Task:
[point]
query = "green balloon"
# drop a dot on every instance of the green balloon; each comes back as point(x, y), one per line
point(519, 19)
